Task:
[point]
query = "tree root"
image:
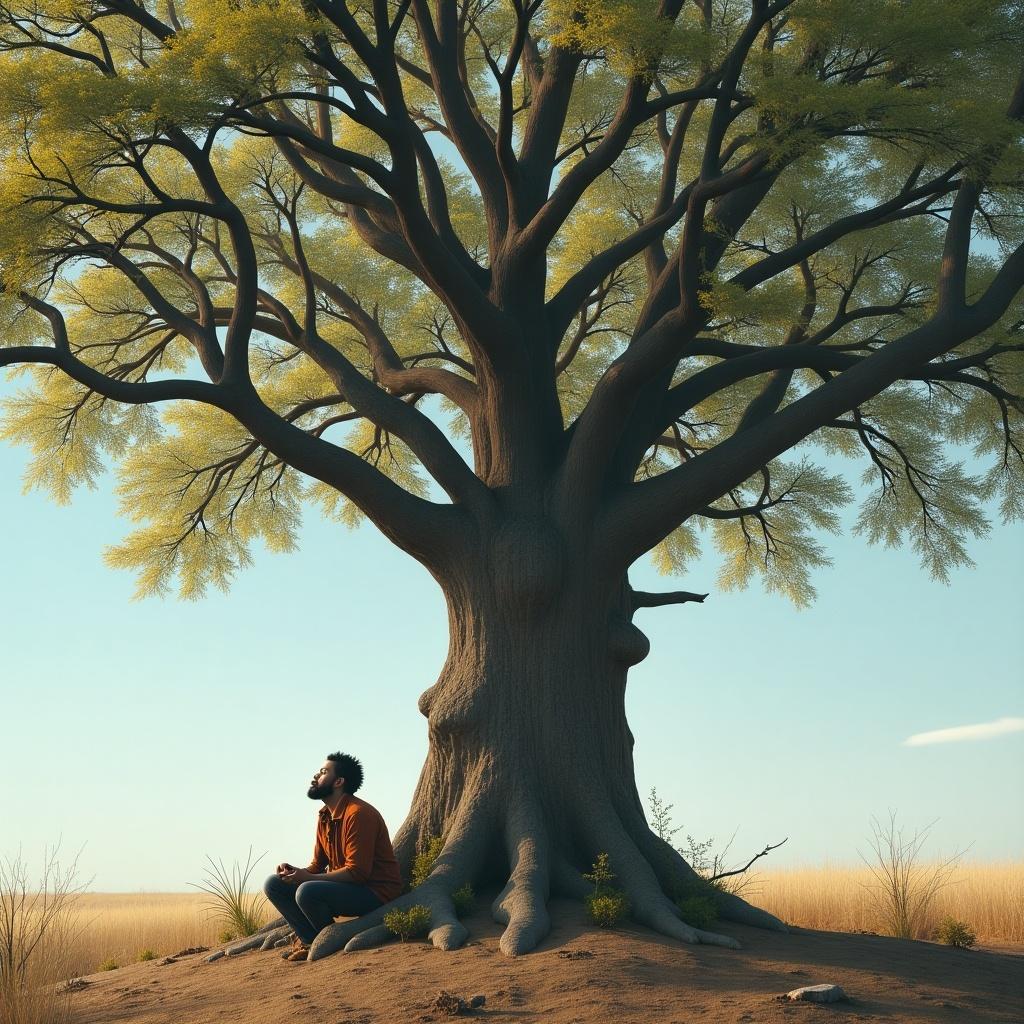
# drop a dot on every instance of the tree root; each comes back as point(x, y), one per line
point(674, 873)
point(522, 904)
point(275, 935)
point(648, 903)
point(647, 868)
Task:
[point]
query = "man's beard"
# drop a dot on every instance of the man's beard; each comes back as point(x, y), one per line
point(321, 791)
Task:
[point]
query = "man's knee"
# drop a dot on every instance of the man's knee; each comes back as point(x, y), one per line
point(305, 894)
point(272, 885)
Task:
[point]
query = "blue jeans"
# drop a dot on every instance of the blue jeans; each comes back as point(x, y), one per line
point(312, 906)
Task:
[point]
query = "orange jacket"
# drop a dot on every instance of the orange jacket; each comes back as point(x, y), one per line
point(355, 837)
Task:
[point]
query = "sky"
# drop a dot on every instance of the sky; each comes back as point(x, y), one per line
point(147, 736)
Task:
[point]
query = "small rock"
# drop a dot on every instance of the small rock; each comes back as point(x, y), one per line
point(76, 985)
point(448, 1002)
point(191, 951)
point(575, 954)
point(818, 994)
point(168, 960)
point(455, 1006)
point(216, 955)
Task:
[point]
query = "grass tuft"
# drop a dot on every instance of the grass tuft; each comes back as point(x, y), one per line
point(230, 900)
point(408, 924)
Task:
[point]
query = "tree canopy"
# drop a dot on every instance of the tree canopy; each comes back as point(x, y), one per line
point(725, 228)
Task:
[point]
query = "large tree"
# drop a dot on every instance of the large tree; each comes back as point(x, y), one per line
point(536, 286)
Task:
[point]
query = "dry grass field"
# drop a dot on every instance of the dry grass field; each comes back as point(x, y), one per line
point(989, 897)
point(119, 926)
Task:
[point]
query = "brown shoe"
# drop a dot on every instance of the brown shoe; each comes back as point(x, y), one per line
point(297, 946)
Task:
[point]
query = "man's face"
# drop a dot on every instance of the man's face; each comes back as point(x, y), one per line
point(323, 783)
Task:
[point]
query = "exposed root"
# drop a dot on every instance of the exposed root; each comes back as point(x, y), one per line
point(446, 931)
point(275, 935)
point(522, 904)
point(735, 908)
point(567, 881)
point(370, 939)
point(259, 937)
point(674, 873)
point(648, 903)
point(251, 942)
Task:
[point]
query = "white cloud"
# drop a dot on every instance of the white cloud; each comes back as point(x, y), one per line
point(959, 733)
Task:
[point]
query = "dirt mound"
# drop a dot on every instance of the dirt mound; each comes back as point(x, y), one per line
point(579, 975)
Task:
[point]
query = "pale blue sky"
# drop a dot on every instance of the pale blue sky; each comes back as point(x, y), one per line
point(158, 732)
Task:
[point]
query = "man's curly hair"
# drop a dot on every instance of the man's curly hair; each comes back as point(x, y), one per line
point(348, 768)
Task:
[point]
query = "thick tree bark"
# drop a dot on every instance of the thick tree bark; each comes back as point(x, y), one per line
point(529, 774)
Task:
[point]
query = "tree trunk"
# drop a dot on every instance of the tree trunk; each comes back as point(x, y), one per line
point(529, 774)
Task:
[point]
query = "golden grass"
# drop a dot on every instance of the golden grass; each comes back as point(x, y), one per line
point(989, 897)
point(119, 926)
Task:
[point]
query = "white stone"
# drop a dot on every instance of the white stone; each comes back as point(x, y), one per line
point(818, 994)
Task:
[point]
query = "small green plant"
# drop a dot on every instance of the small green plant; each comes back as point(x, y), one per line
point(145, 954)
point(606, 905)
point(110, 964)
point(952, 932)
point(423, 864)
point(230, 900)
point(408, 924)
point(601, 876)
point(698, 910)
point(464, 900)
point(607, 909)
point(227, 935)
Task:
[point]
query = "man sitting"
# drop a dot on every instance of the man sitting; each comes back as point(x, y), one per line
point(353, 870)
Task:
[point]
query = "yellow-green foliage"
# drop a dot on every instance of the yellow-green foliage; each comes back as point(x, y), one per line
point(844, 102)
point(145, 954)
point(958, 934)
point(698, 910)
point(423, 863)
point(606, 909)
point(408, 924)
point(606, 905)
point(464, 900)
point(109, 964)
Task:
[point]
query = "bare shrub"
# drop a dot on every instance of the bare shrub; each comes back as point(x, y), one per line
point(701, 855)
point(35, 930)
point(905, 886)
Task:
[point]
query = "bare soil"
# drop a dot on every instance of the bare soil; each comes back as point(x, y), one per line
point(631, 976)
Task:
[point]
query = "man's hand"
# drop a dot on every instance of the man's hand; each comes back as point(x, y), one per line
point(284, 867)
point(296, 876)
